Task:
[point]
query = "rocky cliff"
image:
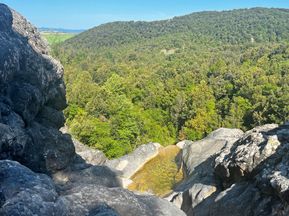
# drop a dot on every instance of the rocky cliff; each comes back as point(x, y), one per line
point(40, 173)
point(32, 97)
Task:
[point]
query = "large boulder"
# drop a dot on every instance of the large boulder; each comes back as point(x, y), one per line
point(25, 193)
point(81, 173)
point(248, 154)
point(87, 198)
point(32, 97)
point(198, 159)
point(247, 176)
point(197, 152)
point(260, 159)
point(242, 199)
point(91, 156)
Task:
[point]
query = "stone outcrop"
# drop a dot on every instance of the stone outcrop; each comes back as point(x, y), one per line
point(247, 174)
point(24, 192)
point(49, 177)
point(183, 143)
point(32, 97)
point(248, 154)
point(197, 160)
point(197, 152)
point(91, 156)
point(259, 159)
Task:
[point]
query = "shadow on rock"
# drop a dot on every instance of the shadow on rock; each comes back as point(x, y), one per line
point(32, 97)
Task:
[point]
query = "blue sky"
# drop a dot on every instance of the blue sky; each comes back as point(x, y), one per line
point(83, 14)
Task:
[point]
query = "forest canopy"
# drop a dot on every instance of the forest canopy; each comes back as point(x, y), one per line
point(130, 83)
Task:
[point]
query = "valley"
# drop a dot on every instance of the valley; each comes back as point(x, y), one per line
point(184, 116)
point(130, 83)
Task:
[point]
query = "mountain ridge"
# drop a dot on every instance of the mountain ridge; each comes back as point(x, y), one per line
point(214, 24)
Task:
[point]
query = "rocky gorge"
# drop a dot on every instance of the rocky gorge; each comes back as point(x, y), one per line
point(44, 171)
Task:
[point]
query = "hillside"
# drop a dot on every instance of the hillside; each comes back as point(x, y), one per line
point(130, 83)
point(234, 27)
point(44, 171)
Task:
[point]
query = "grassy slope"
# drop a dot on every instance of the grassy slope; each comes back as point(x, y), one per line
point(56, 37)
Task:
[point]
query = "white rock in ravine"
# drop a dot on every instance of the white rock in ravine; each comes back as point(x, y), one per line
point(131, 163)
point(90, 155)
point(183, 144)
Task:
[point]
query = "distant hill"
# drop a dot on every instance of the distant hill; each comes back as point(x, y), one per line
point(234, 27)
point(61, 30)
point(54, 38)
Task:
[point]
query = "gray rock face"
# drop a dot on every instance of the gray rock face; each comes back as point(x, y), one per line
point(26, 193)
point(80, 173)
point(238, 200)
point(32, 97)
point(247, 177)
point(248, 153)
point(198, 158)
point(183, 143)
point(260, 158)
point(199, 151)
point(121, 200)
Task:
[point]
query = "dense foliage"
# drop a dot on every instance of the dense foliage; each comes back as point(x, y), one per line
point(129, 83)
point(234, 27)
